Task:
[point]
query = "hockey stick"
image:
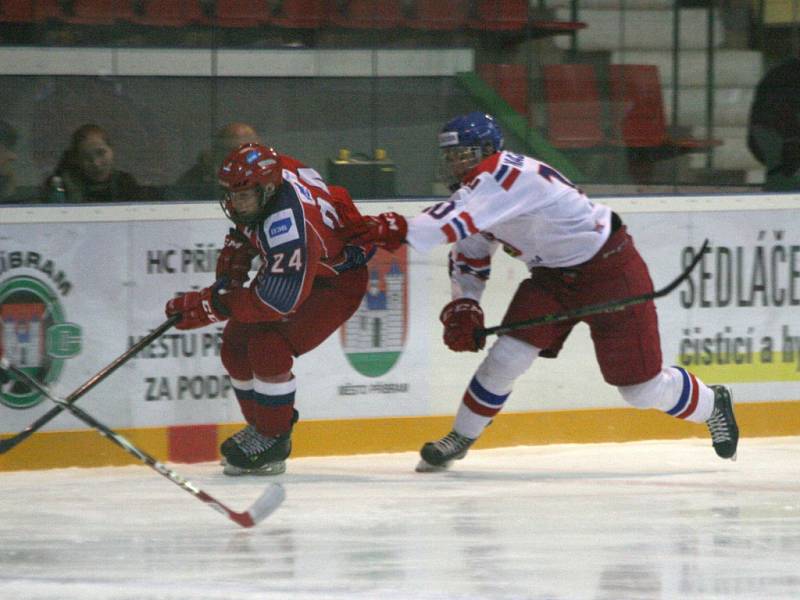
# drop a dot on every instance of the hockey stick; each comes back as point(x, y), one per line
point(265, 505)
point(7, 444)
point(594, 309)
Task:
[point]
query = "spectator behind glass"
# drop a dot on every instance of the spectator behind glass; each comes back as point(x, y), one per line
point(8, 184)
point(200, 181)
point(86, 172)
point(774, 126)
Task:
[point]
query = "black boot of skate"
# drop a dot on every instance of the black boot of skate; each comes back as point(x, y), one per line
point(247, 452)
point(722, 423)
point(438, 455)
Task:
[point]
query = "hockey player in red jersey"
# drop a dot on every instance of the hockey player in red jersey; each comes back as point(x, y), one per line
point(578, 252)
point(310, 282)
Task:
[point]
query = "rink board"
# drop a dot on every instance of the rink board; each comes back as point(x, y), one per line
point(79, 285)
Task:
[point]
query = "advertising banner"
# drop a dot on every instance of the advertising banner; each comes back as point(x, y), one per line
point(76, 293)
point(736, 319)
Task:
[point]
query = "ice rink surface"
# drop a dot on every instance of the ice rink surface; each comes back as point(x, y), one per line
point(646, 520)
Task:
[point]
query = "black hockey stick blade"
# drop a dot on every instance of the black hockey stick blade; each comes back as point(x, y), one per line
point(594, 309)
point(265, 505)
point(7, 444)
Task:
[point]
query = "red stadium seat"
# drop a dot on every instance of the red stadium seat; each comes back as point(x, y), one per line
point(509, 81)
point(637, 111)
point(574, 110)
point(639, 124)
point(301, 14)
point(500, 15)
point(368, 14)
point(100, 12)
point(542, 27)
point(637, 106)
point(439, 15)
point(172, 13)
point(242, 13)
point(29, 11)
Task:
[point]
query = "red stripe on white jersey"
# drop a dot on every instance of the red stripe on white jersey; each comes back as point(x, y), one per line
point(473, 262)
point(467, 219)
point(510, 179)
point(449, 233)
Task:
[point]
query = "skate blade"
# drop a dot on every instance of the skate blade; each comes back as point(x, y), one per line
point(268, 470)
point(424, 466)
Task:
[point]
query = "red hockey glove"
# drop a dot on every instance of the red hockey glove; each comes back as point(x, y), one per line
point(387, 230)
point(461, 319)
point(235, 258)
point(197, 309)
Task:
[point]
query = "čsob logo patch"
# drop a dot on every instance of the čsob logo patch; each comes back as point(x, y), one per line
point(280, 227)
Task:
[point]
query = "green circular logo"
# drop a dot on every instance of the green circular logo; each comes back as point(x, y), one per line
point(36, 337)
point(374, 337)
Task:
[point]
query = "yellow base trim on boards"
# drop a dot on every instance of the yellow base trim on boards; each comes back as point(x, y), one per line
point(403, 434)
point(84, 448)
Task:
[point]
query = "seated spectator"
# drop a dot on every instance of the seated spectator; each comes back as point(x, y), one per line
point(8, 183)
point(10, 190)
point(200, 181)
point(86, 172)
point(774, 126)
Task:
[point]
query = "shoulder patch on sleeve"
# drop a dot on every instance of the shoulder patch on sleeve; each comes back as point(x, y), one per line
point(281, 228)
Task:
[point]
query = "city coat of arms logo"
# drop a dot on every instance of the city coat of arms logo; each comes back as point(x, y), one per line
point(34, 335)
point(373, 338)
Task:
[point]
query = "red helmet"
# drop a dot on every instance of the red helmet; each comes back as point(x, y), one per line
point(250, 166)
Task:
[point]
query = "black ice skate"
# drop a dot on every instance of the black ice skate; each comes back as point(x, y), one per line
point(438, 455)
point(247, 452)
point(722, 423)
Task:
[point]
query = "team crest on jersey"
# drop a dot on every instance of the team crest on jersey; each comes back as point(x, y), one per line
point(281, 228)
point(374, 337)
point(36, 336)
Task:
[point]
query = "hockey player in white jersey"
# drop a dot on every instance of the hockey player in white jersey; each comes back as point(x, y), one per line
point(578, 252)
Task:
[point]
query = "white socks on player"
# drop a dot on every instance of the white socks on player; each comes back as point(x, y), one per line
point(507, 359)
point(674, 391)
